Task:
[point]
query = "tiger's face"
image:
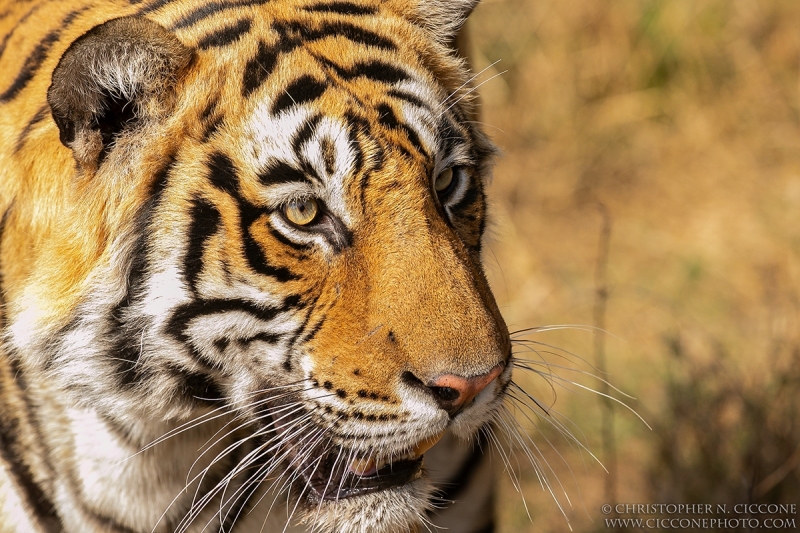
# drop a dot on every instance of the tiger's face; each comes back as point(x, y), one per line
point(298, 221)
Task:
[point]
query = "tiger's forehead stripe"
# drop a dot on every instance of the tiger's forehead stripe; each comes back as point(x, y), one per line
point(341, 8)
point(300, 147)
point(225, 35)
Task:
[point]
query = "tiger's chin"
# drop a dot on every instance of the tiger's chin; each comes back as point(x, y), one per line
point(398, 508)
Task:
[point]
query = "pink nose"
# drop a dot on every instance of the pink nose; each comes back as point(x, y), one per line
point(455, 392)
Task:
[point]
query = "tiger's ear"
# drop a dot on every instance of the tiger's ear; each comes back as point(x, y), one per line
point(110, 78)
point(442, 18)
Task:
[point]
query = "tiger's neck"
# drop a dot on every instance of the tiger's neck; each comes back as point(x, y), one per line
point(103, 474)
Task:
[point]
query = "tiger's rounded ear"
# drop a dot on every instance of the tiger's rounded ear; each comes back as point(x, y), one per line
point(442, 18)
point(108, 79)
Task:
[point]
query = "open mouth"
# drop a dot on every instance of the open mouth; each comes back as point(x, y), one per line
point(332, 472)
point(334, 479)
point(336, 482)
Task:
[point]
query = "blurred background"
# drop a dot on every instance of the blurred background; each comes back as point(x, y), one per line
point(648, 197)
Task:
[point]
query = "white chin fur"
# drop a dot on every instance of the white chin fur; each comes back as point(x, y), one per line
point(387, 511)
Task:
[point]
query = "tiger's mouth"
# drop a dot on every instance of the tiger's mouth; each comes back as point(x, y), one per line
point(331, 473)
point(338, 479)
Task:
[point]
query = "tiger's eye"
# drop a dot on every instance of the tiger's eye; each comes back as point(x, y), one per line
point(301, 212)
point(443, 180)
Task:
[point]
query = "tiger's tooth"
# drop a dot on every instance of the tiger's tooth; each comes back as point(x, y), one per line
point(427, 444)
point(362, 467)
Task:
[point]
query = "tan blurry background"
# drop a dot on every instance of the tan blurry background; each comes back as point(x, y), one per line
point(680, 120)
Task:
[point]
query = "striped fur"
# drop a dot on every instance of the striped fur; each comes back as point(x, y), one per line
point(177, 353)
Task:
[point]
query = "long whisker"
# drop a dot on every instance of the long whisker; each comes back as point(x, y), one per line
point(470, 91)
point(452, 94)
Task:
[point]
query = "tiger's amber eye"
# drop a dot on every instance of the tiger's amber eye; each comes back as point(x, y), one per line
point(301, 212)
point(443, 180)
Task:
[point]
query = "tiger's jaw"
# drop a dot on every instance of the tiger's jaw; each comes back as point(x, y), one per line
point(362, 478)
point(337, 492)
point(341, 474)
point(339, 489)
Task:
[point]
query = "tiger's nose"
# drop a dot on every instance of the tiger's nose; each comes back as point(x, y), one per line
point(453, 393)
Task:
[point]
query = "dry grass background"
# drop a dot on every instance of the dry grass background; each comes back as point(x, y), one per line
point(680, 119)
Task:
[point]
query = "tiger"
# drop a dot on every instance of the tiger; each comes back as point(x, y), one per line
point(240, 248)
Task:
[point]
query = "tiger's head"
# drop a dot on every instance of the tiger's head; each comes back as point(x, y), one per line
point(277, 213)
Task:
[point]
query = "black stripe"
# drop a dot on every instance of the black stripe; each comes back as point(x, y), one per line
point(408, 97)
point(40, 115)
point(11, 451)
point(19, 23)
point(35, 59)
point(211, 119)
point(293, 301)
point(125, 330)
point(302, 90)
point(31, 66)
point(126, 346)
point(138, 269)
point(300, 32)
point(375, 70)
point(482, 227)
point(341, 8)
point(270, 338)
point(280, 172)
point(358, 155)
point(353, 33)
point(184, 314)
point(414, 139)
point(259, 67)
point(309, 336)
point(208, 10)
point(258, 261)
point(211, 128)
point(222, 174)
point(281, 238)
point(305, 133)
point(449, 134)
point(21, 474)
point(209, 110)
point(294, 34)
point(197, 386)
point(470, 196)
point(153, 6)
point(72, 15)
point(287, 363)
point(206, 220)
point(226, 35)
point(3, 223)
point(358, 123)
point(387, 117)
